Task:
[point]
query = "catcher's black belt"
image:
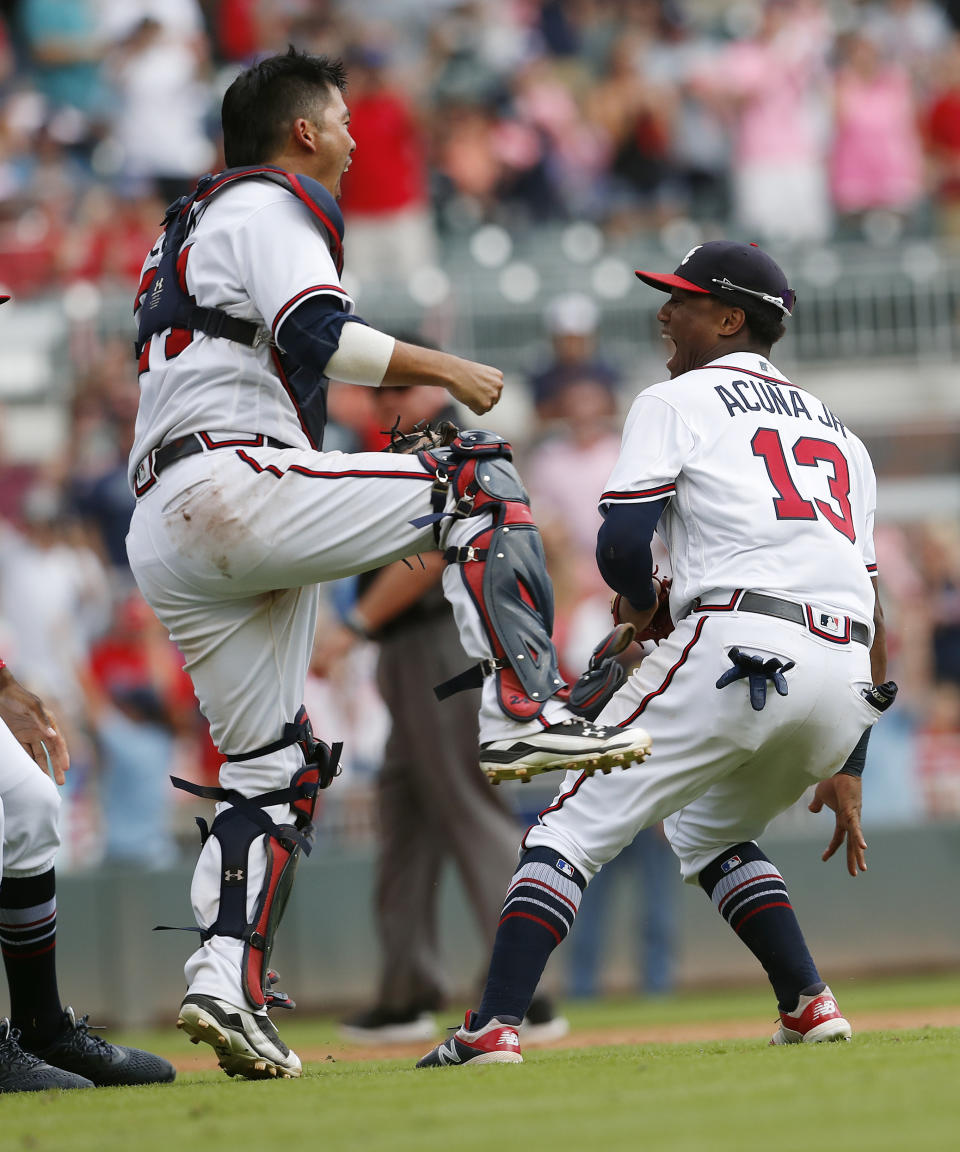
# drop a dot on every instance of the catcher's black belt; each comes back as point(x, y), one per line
point(160, 458)
point(827, 625)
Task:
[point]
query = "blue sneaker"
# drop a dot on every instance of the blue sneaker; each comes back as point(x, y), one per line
point(495, 1043)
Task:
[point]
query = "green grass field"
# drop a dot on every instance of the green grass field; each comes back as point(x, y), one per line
point(888, 1089)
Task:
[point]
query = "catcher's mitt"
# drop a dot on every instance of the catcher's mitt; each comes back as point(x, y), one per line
point(423, 437)
point(660, 624)
point(604, 674)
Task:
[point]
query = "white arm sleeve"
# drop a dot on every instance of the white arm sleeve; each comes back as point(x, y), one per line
point(362, 356)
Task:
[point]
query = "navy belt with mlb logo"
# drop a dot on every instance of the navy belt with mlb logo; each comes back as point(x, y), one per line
point(827, 625)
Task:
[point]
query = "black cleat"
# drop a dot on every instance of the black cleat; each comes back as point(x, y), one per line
point(75, 1049)
point(22, 1072)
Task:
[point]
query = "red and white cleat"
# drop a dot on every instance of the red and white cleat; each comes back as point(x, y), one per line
point(495, 1043)
point(814, 1020)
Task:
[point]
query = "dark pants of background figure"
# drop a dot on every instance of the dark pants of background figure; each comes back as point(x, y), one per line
point(435, 806)
point(649, 869)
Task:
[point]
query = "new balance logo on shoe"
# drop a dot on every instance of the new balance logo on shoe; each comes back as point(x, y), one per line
point(496, 1042)
point(824, 1008)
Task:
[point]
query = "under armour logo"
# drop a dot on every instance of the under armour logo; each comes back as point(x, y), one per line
point(232, 877)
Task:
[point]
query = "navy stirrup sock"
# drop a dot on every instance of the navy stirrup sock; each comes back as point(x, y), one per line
point(751, 895)
point(28, 937)
point(538, 912)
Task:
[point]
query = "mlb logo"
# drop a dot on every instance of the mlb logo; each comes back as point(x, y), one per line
point(565, 868)
point(834, 625)
point(729, 864)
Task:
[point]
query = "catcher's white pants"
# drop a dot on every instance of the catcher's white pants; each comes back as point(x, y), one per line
point(227, 548)
point(29, 812)
point(719, 771)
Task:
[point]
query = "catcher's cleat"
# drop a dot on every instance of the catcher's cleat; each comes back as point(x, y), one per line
point(75, 1049)
point(21, 1071)
point(571, 744)
point(495, 1043)
point(815, 1019)
point(246, 1043)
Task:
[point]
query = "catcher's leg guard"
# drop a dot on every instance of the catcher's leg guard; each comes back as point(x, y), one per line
point(503, 568)
point(236, 829)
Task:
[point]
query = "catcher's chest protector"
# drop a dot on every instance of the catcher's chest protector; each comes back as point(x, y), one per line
point(162, 298)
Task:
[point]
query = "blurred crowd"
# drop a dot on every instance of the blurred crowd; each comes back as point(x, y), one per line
point(792, 119)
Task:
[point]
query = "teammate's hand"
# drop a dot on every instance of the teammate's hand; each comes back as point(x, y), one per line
point(478, 386)
point(34, 726)
point(331, 649)
point(842, 794)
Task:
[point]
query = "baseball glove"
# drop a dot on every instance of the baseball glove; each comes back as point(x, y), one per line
point(660, 624)
point(591, 693)
point(423, 437)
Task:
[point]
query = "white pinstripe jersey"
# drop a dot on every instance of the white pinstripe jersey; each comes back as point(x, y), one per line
point(768, 490)
point(256, 252)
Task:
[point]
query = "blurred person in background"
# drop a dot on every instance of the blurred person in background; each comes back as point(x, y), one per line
point(66, 48)
point(385, 202)
point(876, 157)
point(104, 412)
point(911, 32)
point(434, 805)
point(54, 600)
point(939, 560)
point(941, 126)
point(647, 864)
point(161, 96)
point(633, 112)
point(569, 466)
point(571, 322)
point(139, 701)
point(770, 86)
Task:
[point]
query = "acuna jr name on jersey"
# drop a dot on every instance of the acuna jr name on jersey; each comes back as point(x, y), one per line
point(741, 397)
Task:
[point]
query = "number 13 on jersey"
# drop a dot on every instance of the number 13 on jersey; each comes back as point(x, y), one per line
point(807, 452)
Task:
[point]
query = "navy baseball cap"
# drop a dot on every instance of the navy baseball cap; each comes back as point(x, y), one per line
point(726, 269)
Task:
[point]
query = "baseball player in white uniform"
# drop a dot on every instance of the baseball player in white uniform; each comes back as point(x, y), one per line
point(240, 513)
point(765, 686)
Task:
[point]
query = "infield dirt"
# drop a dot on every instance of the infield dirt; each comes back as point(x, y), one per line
point(947, 1016)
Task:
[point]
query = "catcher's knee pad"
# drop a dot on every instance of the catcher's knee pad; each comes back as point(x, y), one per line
point(237, 828)
point(504, 569)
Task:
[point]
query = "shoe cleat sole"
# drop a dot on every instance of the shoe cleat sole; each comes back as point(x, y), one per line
point(604, 763)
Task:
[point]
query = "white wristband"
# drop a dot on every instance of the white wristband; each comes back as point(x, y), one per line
point(362, 356)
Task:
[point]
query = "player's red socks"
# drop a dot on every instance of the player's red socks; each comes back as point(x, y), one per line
point(751, 895)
